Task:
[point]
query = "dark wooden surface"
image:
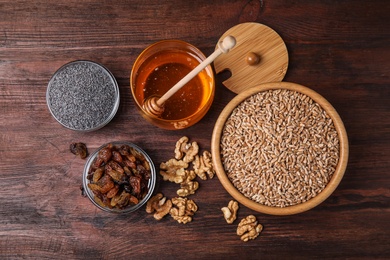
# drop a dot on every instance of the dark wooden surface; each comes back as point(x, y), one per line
point(341, 49)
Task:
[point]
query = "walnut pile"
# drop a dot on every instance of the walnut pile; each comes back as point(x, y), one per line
point(183, 169)
point(178, 170)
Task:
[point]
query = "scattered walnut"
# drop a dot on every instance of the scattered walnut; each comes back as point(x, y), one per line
point(79, 149)
point(248, 228)
point(203, 165)
point(160, 205)
point(186, 150)
point(190, 175)
point(230, 212)
point(173, 170)
point(153, 202)
point(183, 209)
point(187, 188)
point(177, 170)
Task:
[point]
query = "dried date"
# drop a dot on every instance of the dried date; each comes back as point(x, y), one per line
point(79, 149)
point(117, 157)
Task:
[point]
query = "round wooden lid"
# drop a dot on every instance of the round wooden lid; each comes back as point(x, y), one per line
point(260, 56)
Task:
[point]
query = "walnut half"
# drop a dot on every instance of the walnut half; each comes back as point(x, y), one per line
point(160, 205)
point(186, 150)
point(188, 186)
point(203, 166)
point(174, 171)
point(183, 209)
point(230, 212)
point(249, 228)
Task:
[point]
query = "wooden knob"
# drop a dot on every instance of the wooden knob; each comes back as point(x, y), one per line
point(252, 59)
point(227, 44)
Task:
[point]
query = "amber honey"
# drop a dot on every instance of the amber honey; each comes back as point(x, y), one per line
point(155, 72)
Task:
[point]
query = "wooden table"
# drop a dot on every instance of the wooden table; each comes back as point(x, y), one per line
point(338, 48)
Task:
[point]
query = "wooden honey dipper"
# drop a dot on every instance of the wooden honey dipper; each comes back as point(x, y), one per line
point(154, 106)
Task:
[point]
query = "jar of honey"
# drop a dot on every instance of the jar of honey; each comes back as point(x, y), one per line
point(158, 68)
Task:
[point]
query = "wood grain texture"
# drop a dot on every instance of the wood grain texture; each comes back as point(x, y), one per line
point(338, 48)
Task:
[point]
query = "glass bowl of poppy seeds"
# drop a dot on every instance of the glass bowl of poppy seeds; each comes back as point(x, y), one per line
point(83, 96)
point(119, 177)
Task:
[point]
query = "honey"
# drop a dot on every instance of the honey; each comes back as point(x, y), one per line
point(155, 72)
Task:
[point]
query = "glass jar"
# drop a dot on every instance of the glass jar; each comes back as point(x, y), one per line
point(158, 68)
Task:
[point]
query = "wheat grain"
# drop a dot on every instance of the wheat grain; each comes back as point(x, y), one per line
point(279, 148)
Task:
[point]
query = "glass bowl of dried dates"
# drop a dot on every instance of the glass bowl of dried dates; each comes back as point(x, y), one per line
point(119, 177)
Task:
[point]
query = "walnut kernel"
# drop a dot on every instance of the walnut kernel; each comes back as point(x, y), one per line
point(249, 228)
point(160, 205)
point(183, 209)
point(230, 212)
point(187, 188)
point(185, 150)
point(173, 171)
point(203, 165)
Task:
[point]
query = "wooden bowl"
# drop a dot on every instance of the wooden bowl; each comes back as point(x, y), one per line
point(274, 210)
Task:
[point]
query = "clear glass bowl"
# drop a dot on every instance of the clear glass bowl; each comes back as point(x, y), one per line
point(129, 208)
point(83, 96)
